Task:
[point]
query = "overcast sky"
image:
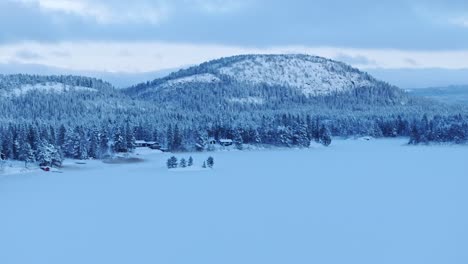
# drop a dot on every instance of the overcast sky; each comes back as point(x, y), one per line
point(149, 35)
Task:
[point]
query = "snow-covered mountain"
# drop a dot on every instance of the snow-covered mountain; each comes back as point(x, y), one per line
point(22, 84)
point(282, 100)
point(268, 82)
point(309, 75)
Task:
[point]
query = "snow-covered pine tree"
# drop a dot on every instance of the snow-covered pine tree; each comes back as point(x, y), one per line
point(210, 162)
point(238, 140)
point(325, 136)
point(172, 163)
point(61, 137)
point(103, 144)
point(300, 137)
point(183, 163)
point(170, 138)
point(48, 155)
point(27, 154)
point(119, 144)
point(177, 139)
point(130, 138)
point(93, 151)
point(201, 141)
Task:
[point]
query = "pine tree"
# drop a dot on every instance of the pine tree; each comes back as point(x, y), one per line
point(27, 154)
point(190, 161)
point(170, 138)
point(103, 145)
point(183, 163)
point(238, 140)
point(119, 142)
point(172, 163)
point(130, 138)
point(80, 144)
point(257, 139)
point(325, 136)
point(61, 138)
point(93, 151)
point(202, 139)
point(204, 165)
point(48, 155)
point(177, 139)
point(300, 137)
point(210, 162)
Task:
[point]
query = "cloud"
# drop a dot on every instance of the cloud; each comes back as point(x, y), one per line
point(153, 56)
point(461, 21)
point(104, 12)
point(231, 22)
point(219, 6)
point(139, 11)
point(27, 55)
point(411, 61)
point(355, 60)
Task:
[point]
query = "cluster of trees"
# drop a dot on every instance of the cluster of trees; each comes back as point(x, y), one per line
point(48, 146)
point(45, 127)
point(439, 129)
point(13, 81)
point(173, 163)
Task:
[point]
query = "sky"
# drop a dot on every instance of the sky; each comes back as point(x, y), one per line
point(151, 35)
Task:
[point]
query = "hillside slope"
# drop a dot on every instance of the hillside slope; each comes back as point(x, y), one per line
point(268, 81)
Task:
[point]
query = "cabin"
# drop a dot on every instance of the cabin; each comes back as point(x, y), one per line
point(141, 144)
point(225, 142)
point(147, 144)
point(212, 141)
point(155, 145)
point(164, 149)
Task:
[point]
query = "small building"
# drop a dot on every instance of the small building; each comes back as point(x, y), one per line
point(225, 142)
point(164, 149)
point(212, 141)
point(147, 144)
point(140, 143)
point(155, 145)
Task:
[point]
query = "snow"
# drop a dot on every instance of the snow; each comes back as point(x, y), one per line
point(197, 78)
point(51, 87)
point(366, 202)
point(15, 167)
point(313, 76)
point(247, 100)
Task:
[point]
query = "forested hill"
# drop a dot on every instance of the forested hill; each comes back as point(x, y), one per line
point(268, 81)
point(280, 100)
point(20, 84)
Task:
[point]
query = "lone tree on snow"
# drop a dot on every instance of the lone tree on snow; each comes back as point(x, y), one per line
point(210, 162)
point(325, 136)
point(183, 163)
point(190, 162)
point(172, 163)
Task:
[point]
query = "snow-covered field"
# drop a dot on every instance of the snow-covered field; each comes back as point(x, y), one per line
point(357, 201)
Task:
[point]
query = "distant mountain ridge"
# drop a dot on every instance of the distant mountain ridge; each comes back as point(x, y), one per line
point(268, 82)
point(310, 75)
point(226, 86)
point(278, 100)
point(455, 94)
point(21, 84)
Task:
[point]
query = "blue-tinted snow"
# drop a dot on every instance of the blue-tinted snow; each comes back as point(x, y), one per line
point(354, 202)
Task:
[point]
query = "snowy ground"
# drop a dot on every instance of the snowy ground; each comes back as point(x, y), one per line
point(354, 202)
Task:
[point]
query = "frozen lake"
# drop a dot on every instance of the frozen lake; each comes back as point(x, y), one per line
point(354, 202)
